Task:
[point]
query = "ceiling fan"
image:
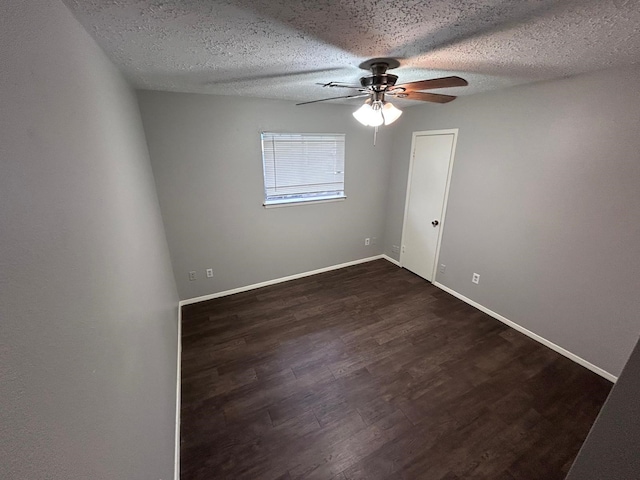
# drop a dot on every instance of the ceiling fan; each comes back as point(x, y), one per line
point(380, 85)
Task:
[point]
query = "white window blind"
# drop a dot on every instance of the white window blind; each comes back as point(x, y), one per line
point(301, 167)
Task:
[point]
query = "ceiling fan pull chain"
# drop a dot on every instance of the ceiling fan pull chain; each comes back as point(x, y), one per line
point(375, 135)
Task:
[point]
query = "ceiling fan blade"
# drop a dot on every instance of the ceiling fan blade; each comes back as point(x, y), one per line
point(334, 98)
point(444, 82)
point(427, 97)
point(340, 85)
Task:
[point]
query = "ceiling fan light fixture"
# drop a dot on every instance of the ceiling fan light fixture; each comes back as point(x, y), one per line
point(363, 113)
point(390, 113)
point(370, 114)
point(374, 114)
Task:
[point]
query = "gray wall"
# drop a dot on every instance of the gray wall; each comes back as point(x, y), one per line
point(544, 205)
point(611, 449)
point(206, 157)
point(87, 301)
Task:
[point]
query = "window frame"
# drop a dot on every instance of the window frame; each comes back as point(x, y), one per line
point(300, 199)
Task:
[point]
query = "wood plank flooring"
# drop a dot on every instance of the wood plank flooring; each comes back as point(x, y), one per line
point(370, 372)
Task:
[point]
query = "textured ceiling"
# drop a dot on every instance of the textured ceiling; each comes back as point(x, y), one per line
point(281, 48)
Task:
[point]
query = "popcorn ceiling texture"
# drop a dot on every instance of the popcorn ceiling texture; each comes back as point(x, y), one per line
point(281, 48)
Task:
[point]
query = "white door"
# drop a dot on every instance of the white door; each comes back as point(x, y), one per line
point(429, 173)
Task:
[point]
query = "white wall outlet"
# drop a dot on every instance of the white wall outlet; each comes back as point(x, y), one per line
point(475, 278)
point(192, 275)
point(443, 267)
point(367, 242)
point(209, 272)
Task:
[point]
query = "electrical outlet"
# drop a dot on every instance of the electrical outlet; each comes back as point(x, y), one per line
point(367, 242)
point(395, 248)
point(192, 275)
point(475, 278)
point(443, 267)
point(209, 272)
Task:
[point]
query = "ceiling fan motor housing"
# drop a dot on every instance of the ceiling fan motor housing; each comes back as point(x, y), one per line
point(380, 79)
point(384, 80)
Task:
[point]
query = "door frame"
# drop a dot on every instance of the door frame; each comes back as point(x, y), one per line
point(450, 131)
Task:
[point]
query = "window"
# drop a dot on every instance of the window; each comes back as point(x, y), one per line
point(302, 167)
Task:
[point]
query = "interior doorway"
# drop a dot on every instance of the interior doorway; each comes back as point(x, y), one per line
point(432, 154)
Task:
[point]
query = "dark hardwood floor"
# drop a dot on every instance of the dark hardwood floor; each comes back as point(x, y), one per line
point(370, 372)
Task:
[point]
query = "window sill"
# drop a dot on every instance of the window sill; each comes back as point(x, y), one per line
point(295, 203)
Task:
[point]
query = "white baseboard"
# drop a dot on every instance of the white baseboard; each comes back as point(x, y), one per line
point(176, 474)
point(530, 334)
point(225, 293)
point(392, 260)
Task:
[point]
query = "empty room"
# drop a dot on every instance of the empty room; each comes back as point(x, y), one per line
point(320, 239)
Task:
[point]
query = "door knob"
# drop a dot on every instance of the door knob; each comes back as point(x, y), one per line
point(435, 223)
